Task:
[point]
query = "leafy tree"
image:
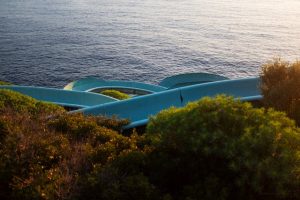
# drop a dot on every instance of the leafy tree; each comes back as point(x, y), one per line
point(280, 83)
point(224, 149)
point(48, 154)
point(211, 149)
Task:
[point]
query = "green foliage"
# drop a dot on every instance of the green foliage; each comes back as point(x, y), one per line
point(211, 149)
point(280, 87)
point(102, 147)
point(114, 161)
point(120, 180)
point(20, 103)
point(77, 124)
point(115, 94)
point(224, 149)
point(16, 101)
point(4, 83)
point(26, 148)
point(47, 154)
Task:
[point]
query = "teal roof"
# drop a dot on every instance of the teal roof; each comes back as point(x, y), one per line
point(143, 122)
point(181, 80)
point(90, 84)
point(62, 97)
point(141, 108)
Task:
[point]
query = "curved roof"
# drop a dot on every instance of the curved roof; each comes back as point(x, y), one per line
point(144, 122)
point(141, 108)
point(88, 84)
point(181, 80)
point(62, 97)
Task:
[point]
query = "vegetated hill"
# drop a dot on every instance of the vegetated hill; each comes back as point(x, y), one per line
point(216, 148)
point(280, 86)
point(45, 153)
point(219, 148)
point(4, 83)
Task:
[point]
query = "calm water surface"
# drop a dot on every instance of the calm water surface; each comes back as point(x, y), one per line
point(52, 42)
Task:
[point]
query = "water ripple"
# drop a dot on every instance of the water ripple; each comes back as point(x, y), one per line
point(52, 42)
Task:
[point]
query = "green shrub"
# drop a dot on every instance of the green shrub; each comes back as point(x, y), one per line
point(27, 148)
point(115, 94)
point(224, 149)
point(4, 83)
point(16, 101)
point(280, 83)
point(114, 183)
point(101, 146)
point(48, 154)
point(78, 124)
point(117, 171)
point(19, 103)
point(16, 105)
point(30, 164)
point(211, 149)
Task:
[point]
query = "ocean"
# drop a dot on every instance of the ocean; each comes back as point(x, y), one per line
point(52, 42)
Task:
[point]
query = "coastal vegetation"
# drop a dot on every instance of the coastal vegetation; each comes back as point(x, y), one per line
point(225, 149)
point(115, 94)
point(4, 83)
point(47, 154)
point(281, 87)
point(214, 148)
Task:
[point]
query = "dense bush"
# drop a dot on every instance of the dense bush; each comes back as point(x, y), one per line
point(19, 103)
point(211, 149)
point(224, 149)
point(26, 147)
point(115, 94)
point(122, 178)
point(46, 154)
point(280, 83)
point(69, 124)
point(4, 83)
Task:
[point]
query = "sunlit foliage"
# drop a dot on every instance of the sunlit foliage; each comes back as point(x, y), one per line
point(281, 87)
point(216, 148)
point(224, 149)
point(4, 83)
point(45, 154)
point(116, 94)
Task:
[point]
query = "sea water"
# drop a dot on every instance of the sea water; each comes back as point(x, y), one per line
point(53, 42)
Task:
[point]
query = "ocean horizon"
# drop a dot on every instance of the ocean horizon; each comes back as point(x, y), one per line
point(53, 42)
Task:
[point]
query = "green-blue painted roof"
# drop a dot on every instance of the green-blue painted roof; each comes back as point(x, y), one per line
point(88, 84)
point(141, 108)
point(181, 80)
point(62, 97)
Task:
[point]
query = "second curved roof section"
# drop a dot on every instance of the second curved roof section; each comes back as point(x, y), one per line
point(76, 99)
point(90, 84)
point(140, 108)
point(187, 79)
point(176, 81)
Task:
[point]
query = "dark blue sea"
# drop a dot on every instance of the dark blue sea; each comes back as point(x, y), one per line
point(53, 42)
